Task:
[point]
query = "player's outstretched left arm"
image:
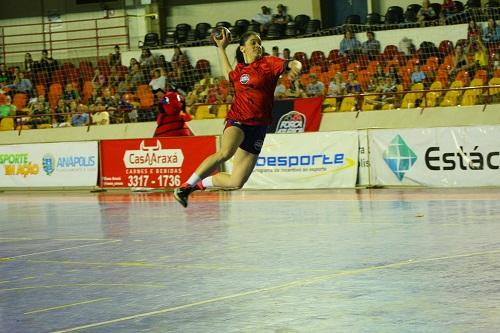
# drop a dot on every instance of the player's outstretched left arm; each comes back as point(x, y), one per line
point(294, 68)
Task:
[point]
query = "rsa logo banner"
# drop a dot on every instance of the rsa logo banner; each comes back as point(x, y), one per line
point(153, 163)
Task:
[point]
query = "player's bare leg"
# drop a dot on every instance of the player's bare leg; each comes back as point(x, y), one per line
point(243, 165)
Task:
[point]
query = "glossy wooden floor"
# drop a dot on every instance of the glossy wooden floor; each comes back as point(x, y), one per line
point(385, 260)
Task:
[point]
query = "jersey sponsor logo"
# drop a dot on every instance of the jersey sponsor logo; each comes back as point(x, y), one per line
point(244, 78)
point(291, 122)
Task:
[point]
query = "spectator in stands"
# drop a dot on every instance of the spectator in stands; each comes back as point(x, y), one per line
point(158, 79)
point(131, 63)
point(114, 77)
point(81, 118)
point(185, 75)
point(176, 57)
point(275, 51)
point(280, 90)
point(417, 76)
point(48, 64)
point(448, 8)
point(473, 30)
point(147, 59)
point(352, 86)
point(136, 77)
point(21, 84)
point(206, 80)
point(198, 95)
point(70, 93)
point(406, 46)
point(61, 110)
point(7, 109)
point(426, 13)
point(379, 72)
point(480, 53)
point(99, 115)
point(28, 63)
point(371, 46)
point(40, 115)
point(99, 79)
point(125, 86)
point(281, 17)
point(491, 33)
point(349, 46)
point(164, 64)
point(296, 90)
point(394, 74)
point(126, 106)
point(387, 87)
point(264, 18)
point(337, 86)
point(5, 76)
point(315, 87)
point(116, 57)
point(286, 54)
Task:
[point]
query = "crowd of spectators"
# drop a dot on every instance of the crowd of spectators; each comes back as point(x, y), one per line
point(110, 92)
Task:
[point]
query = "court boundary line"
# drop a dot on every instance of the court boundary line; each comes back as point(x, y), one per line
point(291, 284)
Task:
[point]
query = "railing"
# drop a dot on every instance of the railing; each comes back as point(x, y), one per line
point(65, 39)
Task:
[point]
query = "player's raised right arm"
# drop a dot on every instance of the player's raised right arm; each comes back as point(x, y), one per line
point(221, 51)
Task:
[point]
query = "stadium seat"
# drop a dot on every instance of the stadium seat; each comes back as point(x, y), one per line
point(20, 100)
point(301, 22)
point(329, 104)
point(367, 106)
point(291, 29)
point(7, 124)
point(373, 19)
point(394, 15)
point(352, 19)
point(275, 31)
point(313, 26)
point(151, 40)
point(348, 104)
point(222, 111)
point(242, 25)
point(409, 101)
point(202, 111)
point(493, 82)
point(470, 97)
point(203, 30)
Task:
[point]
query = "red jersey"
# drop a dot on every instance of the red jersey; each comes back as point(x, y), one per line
point(254, 86)
point(170, 121)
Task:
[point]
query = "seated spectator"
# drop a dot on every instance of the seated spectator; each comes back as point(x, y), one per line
point(99, 115)
point(448, 8)
point(39, 115)
point(394, 74)
point(264, 18)
point(379, 72)
point(125, 106)
point(21, 84)
point(280, 90)
point(116, 57)
point(473, 30)
point(99, 80)
point(28, 63)
point(371, 46)
point(165, 65)
point(131, 63)
point(491, 33)
point(296, 90)
point(480, 53)
point(136, 77)
point(7, 109)
point(206, 80)
point(349, 46)
point(336, 86)
point(47, 64)
point(417, 76)
point(286, 54)
point(275, 51)
point(352, 86)
point(114, 77)
point(281, 17)
point(158, 80)
point(70, 93)
point(406, 46)
point(426, 13)
point(5, 76)
point(81, 118)
point(387, 87)
point(198, 95)
point(315, 87)
point(147, 59)
point(176, 57)
point(62, 110)
point(460, 61)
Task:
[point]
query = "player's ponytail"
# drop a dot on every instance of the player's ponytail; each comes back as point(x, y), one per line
point(240, 57)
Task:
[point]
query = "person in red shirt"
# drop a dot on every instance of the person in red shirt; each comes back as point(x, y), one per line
point(254, 79)
point(172, 117)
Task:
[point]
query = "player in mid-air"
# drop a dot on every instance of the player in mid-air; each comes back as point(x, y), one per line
point(254, 79)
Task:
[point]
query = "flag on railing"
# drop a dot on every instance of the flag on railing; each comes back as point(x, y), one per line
point(296, 115)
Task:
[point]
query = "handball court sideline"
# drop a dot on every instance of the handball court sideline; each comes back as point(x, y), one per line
point(366, 260)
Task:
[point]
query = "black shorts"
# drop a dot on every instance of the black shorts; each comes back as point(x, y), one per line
point(254, 136)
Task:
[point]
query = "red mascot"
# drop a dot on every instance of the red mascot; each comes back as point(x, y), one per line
point(172, 116)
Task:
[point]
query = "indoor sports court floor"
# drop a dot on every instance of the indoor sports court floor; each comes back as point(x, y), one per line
point(379, 260)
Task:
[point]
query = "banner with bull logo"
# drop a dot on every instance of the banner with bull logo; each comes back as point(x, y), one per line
point(296, 115)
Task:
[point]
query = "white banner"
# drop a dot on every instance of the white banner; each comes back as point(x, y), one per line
point(448, 157)
point(306, 161)
point(49, 164)
point(364, 159)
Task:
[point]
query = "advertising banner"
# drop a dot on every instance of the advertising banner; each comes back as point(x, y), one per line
point(306, 161)
point(449, 157)
point(296, 115)
point(49, 164)
point(153, 163)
